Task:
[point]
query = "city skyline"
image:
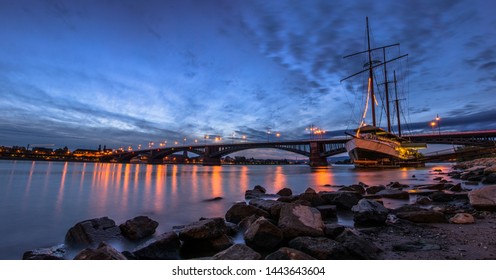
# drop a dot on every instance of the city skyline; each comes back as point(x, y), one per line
point(120, 73)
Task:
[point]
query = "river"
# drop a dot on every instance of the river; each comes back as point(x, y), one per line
point(40, 201)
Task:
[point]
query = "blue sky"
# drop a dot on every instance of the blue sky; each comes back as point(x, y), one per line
point(120, 73)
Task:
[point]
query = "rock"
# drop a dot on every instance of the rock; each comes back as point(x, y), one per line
point(353, 188)
point(286, 253)
point(232, 228)
point(204, 229)
point(344, 200)
point(369, 213)
point(92, 232)
point(53, 253)
point(246, 222)
point(205, 247)
point(273, 207)
point(456, 188)
point(138, 228)
point(489, 179)
point(238, 252)
point(422, 216)
point(357, 246)
point(462, 218)
point(424, 200)
point(262, 235)
point(102, 252)
point(320, 248)
point(438, 187)
point(239, 211)
point(414, 246)
point(299, 220)
point(327, 212)
point(333, 230)
point(396, 194)
point(311, 196)
point(162, 247)
point(285, 192)
point(396, 185)
point(441, 197)
point(260, 189)
point(217, 198)
point(375, 189)
point(483, 198)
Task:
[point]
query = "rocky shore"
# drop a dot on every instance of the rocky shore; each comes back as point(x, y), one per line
point(444, 220)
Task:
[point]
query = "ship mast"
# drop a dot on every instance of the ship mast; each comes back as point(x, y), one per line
point(371, 74)
point(397, 105)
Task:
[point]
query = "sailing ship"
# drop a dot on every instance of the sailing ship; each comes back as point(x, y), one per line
point(370, 145)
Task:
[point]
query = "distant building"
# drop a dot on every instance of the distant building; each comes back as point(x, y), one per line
point(41, 150)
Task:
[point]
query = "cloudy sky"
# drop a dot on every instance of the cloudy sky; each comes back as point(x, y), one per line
point(120, 73)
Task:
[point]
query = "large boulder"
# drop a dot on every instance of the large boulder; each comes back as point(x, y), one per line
point(286, 253)
point(163, 247)
point(299, 220)
point(483, 198)
point(273, 207)
point(422, 216)
point(357, 246)
point(203, 229)
point(205, 247)
point(138, 228)
point(342, 199)
point(53, 253)
point(102, 252)
point(328, 212)
point(241, 210)
point(92, 232)
point(392, 193)
point(285, 192)
point(263, 235)
point(369, 213)
point(375, 189)
point(320, 248)
point(238, 252)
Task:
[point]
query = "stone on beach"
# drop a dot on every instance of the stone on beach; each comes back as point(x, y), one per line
point(299, 220)
point(483, 198)
point(203, 229)
point(321, 248)
point(369, 213)
point(357, 246)
point(102, 252)
point(392, 193)
point(263, 235)
point(285, 253)
point(285, 192)
point(462, 218)
point(241, 210)
point(138, 228)
point(53, 253)
point(162, 247)
point(92, 232)
point(237, 252)
point(422, 216)
point(344, 200)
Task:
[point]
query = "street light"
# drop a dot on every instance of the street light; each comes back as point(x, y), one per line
point(438, 125)
point(433, 124)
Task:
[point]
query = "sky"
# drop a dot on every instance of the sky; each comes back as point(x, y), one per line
point(120, 73)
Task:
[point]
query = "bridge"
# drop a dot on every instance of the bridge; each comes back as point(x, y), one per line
point(316, 150)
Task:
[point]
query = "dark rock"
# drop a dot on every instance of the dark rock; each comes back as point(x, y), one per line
point(353, 188)
point(102, 252)
point(287, 199)
point(369, 213)
point(238, 252)
point(246, 222)
point(217, 198)
point(423, 216)
point(456, 188)
point(327, 212)
point(53, 253)
point(454, 174)
point(92, 232)
point(320, 248)
point(138, 228)
point(438, 179)
point(396, 185)
point(333, 230)
point(375, 189)
point(344, 200)
point(302, 202)
point(483, 198)
point(414, 246)
point(285, 192)
point(475, 178)
point(239, 211)
point(310, 191)
point(439, 187)
point(462, 218)
point(358, 246)
point(273, 207)
point(312, 197)
point(299, 220)
point(396, 194)
point(205, 247)
point(424, 200)
point(263, 235)
point(162, 247)
point(204, 229)
point(489, 179)
point(232, 228)
point(260, 189)
point(441, 197)
point(286, 253)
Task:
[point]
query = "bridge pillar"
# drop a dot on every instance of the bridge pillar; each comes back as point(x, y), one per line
point(316, 160)
point(210, 160)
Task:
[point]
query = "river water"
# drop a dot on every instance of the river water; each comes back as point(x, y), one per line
point(40, 201)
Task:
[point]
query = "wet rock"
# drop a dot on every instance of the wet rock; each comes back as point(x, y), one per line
point(344, 200)
point(260, 189)
point(205, 247)
point(483, 198)
point(163, 247)
point(263, 235)
point(217, 198)
point(353, 188)
point(286, 253)
point(333, 230)
point(489, 179)
point(138, 228)
point(241, 210)
point(299, 220)
point(439, 187)
point(257, 192)
point(358, 246)
point(311, 196)
point(246, 222)
point(424, 200)
point(273, 207)
point(53, 253)
point(92, 232)
point(238, 252)
point(285, 192)
point(396, 185)
point(327, 212)
point(375, 189)
point(232, 228)
point(456, 188)
point(102, 252)
point(415, 246)
point(204, 229)
point(422, 216)
point(462, 218)
point(441, 197)
point(321, 248)
point(369, 213)
point(395, 194)
point(287, 198)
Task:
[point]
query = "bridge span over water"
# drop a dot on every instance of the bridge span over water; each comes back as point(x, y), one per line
point(316, 150)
